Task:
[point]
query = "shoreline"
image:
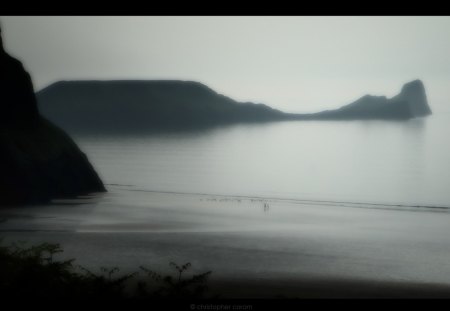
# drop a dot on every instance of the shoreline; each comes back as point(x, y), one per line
point(315, 251)
point(253, 198)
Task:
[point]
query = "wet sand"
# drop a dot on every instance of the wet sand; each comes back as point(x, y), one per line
point(255, 248)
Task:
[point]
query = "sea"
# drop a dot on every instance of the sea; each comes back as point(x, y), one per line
point(274, 203)
point(371, 162)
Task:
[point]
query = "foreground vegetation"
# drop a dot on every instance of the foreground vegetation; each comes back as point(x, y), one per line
point(33, 272)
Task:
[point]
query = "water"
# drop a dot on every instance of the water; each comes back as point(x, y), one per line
point(267, 203)
point(380, 162)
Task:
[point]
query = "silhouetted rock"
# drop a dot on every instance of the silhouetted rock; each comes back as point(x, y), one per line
point(38, 161)
point(18, 107)
point(140, 106)
point(411, 102)
point(41, 164)
point(414, 93)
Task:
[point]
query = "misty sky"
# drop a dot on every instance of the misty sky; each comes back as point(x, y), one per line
point(296, 64)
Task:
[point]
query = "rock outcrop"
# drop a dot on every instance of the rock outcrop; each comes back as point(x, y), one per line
point(414, 94)
point(410, 103)
point(43, 163)
point(38, 161)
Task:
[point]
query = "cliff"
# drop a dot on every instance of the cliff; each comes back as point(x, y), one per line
point(410, 103)
point(139, 106)
point(144, 106)
point(38, 161)
point(42, 164)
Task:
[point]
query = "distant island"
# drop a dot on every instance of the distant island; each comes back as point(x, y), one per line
point(138, 106)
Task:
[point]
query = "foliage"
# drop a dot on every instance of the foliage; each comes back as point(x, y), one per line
point(33, 272)
point(175, 287)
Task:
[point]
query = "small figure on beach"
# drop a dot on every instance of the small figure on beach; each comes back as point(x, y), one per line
point(266, 207)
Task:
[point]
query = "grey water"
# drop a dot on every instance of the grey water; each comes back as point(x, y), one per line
point(374, 162)
point(222, 197)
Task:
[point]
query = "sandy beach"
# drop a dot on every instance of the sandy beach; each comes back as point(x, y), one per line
point(255, 247)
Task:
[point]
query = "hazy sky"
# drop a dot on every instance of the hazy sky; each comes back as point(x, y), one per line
point(296, 64)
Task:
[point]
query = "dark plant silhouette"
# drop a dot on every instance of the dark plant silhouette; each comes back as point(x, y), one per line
point(33, 272)
point(175, 287)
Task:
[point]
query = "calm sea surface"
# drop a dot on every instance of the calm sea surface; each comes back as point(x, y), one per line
point(381, 162)
point(165, 203)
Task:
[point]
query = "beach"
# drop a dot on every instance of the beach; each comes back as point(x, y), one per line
point(255, 247)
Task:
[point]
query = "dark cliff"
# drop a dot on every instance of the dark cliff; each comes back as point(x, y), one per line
point(139, 106)
point(38, 161)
